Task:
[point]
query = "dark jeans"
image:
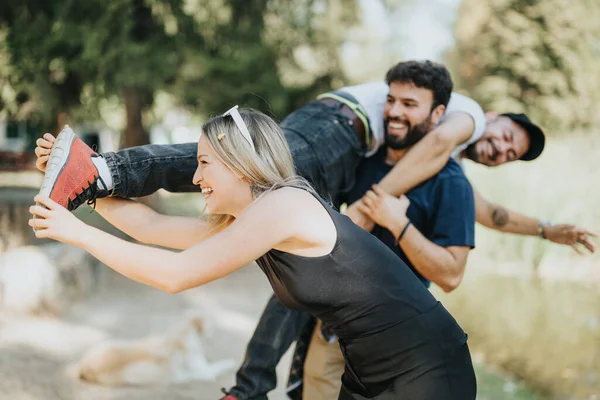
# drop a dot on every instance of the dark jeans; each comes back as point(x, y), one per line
point(141, 171)
point(277, 329)
point(323, 143)
point(326, 152)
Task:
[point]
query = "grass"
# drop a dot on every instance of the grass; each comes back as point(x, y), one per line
point(561, 187)
point(531, 306)
point(494, 386)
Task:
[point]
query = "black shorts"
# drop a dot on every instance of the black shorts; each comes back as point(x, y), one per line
point(455, 380)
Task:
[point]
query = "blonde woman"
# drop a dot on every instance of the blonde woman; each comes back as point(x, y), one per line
point(397, 340)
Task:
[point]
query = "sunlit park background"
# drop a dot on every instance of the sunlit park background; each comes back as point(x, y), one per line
point(130, 72)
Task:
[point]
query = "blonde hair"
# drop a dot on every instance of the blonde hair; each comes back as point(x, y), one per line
point(268, 167)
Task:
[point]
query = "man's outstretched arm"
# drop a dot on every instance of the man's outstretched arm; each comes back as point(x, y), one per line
point(502, 219)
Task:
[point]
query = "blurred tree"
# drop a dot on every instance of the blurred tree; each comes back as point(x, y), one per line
point(541, 57)
point(133, 48)
point(273, 55)
point(60, 50)
point(65, 56)
point(35, 82)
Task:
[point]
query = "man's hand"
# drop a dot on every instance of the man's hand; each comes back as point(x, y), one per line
point(359, 218)
point(385, 209)
point(42, 151)
point(571, 235)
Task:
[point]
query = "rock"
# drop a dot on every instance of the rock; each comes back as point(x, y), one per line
point(44, 279)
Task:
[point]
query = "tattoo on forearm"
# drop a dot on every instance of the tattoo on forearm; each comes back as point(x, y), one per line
point(499, 216)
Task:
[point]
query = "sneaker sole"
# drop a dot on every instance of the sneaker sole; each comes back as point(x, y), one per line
point(59, 156)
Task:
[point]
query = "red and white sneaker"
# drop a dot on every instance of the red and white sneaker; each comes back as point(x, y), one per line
point(71, 177)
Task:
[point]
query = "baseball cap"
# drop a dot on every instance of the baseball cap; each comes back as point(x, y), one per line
point(536, 136)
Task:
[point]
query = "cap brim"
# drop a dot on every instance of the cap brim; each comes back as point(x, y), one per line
point(537, 142)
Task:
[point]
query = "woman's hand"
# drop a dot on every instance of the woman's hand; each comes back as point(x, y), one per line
point(55, 222)
point(42, 151)
point(386, 210)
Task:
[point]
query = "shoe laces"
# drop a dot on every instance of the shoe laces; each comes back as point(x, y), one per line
point(228, 396)
point(88, 195)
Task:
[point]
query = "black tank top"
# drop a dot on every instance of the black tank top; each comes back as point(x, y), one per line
point(360, 287)
point(366, 295)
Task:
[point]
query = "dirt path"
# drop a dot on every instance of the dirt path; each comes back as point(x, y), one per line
point(37, 354)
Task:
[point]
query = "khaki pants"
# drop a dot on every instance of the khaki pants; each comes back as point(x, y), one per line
point(323, 368)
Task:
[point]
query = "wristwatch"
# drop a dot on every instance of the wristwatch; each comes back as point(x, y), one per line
point(540, 229)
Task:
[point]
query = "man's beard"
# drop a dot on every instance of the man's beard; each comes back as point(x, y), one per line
point(473, 152)
point(415, 133)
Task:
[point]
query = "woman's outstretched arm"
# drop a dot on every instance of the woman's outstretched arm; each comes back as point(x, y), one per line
point(136, 219)
point(265, 224)
point(147, 226)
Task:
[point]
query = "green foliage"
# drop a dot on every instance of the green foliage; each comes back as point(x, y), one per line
point(491, 386)
point(65, 56)
point(249, 50)
point(36, 76)
point(57, 49)
point(537, 56)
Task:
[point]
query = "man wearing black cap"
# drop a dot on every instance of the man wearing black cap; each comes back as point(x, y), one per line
point(507, 137)
point(510, 137)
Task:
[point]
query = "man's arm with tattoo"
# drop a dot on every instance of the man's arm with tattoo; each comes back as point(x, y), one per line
point(496, 217)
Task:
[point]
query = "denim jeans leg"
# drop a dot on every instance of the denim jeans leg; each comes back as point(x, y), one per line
point(323, 144)
point(325, 148)
point(142, 170)
point(277, 329)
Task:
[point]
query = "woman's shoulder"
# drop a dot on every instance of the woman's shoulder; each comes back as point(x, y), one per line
point(304, 219)
point(290, 204)
point(288, 198)
point(290, 210)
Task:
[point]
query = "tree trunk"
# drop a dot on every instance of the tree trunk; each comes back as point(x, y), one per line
point(62, 119)
point(135, 134)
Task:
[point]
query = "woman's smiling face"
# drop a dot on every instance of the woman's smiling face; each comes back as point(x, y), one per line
point(224, 191)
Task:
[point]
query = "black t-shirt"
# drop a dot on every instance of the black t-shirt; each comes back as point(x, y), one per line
point(441, 208)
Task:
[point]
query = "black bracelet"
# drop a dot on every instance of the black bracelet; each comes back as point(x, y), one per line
point(403, 231)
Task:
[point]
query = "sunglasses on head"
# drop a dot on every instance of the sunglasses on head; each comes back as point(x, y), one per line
point(239, 122)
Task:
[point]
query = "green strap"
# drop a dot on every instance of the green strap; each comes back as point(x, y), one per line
point(360, 112)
